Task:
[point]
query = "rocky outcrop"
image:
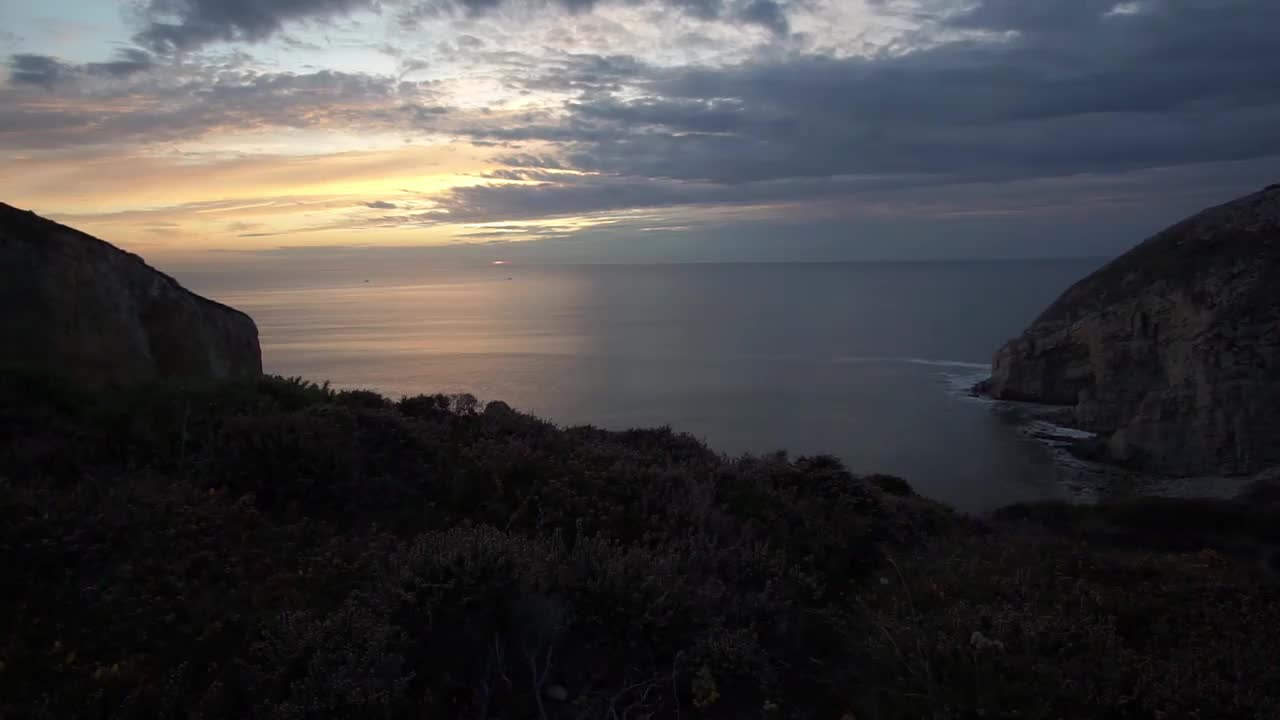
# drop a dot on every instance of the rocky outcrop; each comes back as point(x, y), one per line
point(1170, 353)
point(78, 306)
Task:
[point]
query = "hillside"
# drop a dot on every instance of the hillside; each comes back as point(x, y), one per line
point(1170, 353)
point(272, 549)
point(82, 307)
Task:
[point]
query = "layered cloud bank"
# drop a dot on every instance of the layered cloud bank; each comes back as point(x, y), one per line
point(824, 129)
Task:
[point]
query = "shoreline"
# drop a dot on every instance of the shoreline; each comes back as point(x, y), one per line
point(1090, 481)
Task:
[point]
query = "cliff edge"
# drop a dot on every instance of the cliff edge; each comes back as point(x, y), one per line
point(1170, 353)
point(78, 306)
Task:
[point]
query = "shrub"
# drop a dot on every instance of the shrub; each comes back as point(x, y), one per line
point(274, 548)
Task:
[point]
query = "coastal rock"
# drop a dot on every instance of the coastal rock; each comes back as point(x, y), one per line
point(81, 307)
point(1170, 353)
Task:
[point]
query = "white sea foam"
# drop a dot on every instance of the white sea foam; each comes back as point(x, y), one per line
point(913, 361)
point(958, 376)
point(984, 367)
point(1045, 430)
point(1083, 480)
point(1082, 477)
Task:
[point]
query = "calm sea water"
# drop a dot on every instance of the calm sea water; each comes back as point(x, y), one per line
point(869, 362)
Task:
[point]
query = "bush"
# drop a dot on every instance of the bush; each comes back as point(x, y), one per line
point(1011, 625)
point(274, 548)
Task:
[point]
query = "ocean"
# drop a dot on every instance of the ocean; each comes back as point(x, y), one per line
point(870, 362)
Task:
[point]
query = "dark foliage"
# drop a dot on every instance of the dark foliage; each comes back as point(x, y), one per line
point(278, 549)
point(1039, 627)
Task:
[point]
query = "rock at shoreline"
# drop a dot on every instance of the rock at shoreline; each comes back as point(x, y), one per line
point(1170, 353)
point(77, 306)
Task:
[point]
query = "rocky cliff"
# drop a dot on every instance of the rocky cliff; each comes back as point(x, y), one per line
point(1171, 353)
point(79, 306)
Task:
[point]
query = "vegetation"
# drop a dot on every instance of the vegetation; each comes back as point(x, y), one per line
point(278, 549)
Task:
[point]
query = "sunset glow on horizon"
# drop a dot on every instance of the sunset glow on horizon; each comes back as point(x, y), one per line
point(669, 129)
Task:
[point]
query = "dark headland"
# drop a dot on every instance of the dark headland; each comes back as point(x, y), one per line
point(1171, 353)
point(83, 308)
point(184, 537)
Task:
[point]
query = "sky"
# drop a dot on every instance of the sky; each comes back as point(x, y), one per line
point(634, 130)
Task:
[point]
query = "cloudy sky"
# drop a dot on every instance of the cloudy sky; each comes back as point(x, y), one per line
point(636, 129)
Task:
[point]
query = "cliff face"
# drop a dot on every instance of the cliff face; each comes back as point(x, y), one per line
point(1171, 353)
point(79, 306)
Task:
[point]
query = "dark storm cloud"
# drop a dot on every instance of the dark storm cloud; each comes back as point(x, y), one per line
point(522, 174)
point(412, 65)
point(1077, 88)
point(46, 71)
point(563, 195)
point(865, 219)
point(1041, 17)
point(1002, 92)
point(187, 24)
point(128, 61)
point(1083, 217)
point(100, 108)
point(526, 160)
point(765, 13)
point(567, 72)
point(40, 70)
point(380, 205)
point(1069, 90)
point(685, 115)
point(705, 9)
